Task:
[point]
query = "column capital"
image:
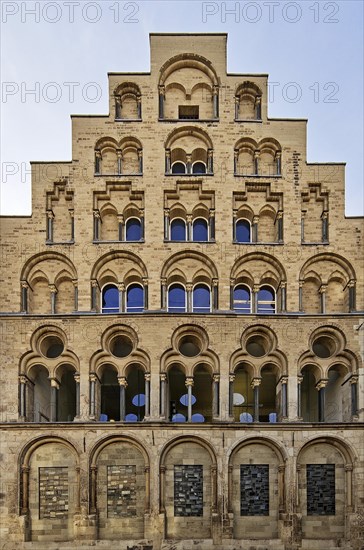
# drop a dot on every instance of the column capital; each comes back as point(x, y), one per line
point(94, 283)
point(147, 376)
point(163, 376)
point(50, 214)
point(255, 382)
point(348, 467)
point(24, 284)
point(161, 89)
point(53, 289)
point(23, 379)
point(323, 288)
point(122, 381)
point(354, 379)
point(77, 377)
point(93, 377)
point(54, 383)
point(299, 378)
point(97, 214)
point(281, 468)
point(216, 377)
point(189, 381)
point(284, 379)
point(321, 384)
point(231, 377)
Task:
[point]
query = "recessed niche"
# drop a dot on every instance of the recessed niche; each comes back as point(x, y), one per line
point(51, 347)
point(324, 347)
point(121, 346)
point(257, 346)
point(189, 346)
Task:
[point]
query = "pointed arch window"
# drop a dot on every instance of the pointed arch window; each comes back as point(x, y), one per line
point(176, 299)
point(134, 298)
point(110, 299)
point(201, 299)
point(133, 229)
point(266, 300)
point(242, 299)
point(178, 230)
point(243, 231)
point(200, 231)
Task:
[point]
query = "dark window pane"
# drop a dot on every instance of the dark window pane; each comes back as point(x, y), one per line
point(242, 301)
point(188, 491)
point(135, 298)
point(199, 168)
point(178, 168)
point(201, 299)
point(254, 490)
point(176, 299)
point(243, 231)
point(110, 299)
point(133, 230)
point(178, 230)
point(200, 232)
point(320, 489)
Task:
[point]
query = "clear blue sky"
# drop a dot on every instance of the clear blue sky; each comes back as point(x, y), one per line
point(316, 45)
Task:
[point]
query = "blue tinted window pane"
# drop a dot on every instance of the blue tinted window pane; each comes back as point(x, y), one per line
point(266, 300)
point(242, 299)
point(178, 168)
point(176, 299)
point(199, 168)
point(243, 231)
point(110, 299)
point(266, 294)
point(201, 299)
point(135, 298)
point(178, 230)
point(200, 232)
point(133, 230)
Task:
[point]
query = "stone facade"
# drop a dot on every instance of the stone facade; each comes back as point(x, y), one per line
point(182, 327)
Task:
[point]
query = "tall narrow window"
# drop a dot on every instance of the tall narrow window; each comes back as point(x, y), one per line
point(201, 299)
point(135, 298)
point(133, 230)
point(243, 231)
point(178, 230)
point(242, 299)
point(200, 230)
point(178, 168)
point(176, 299)
point(199, 168)
point(266, 300)
point(110, 299)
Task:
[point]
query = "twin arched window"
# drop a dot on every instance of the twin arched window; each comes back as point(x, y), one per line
point(265, 301)
point(178, 230)
point(180, 167)
point(111, 299)
point(177, 299)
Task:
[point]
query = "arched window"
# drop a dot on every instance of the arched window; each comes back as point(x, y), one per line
point(199, 167)
point(243, 231)
point(134, 298)
point(178, 230)
point(176, 299)
point(178, 168)
point(133, 229)
point(266, 300)
point(110, 299)
point(242, 299)
point(201, 299)
point(200, 230)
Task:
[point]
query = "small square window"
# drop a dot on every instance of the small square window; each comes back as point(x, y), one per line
point(188, 112)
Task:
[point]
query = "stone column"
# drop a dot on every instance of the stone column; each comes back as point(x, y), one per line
point(53, 291)
point(147, 489)
point(189, 163)
point(23, 398)
point(213, 489)
point(231, 394)
point(163, 293)
point(216, 396)
point(215, 295)
point(118, 107)
point(352, 297)
point(147, 394)
point(98, 162)
point(256, 163)
point(189, 227)
point(166, 225)
point(255, 383)
point(162, 95)
point(300, 295)
point(212, 224)
point(122, 385)
point(24, 296)
point(140, 160)
point(354, 395)
point(54, 396)
point(236, 161)
point(280, 226)
point(97, 223)
point(139, 107)
point(322, 292)
point(299, 398)
point(325, 226)
point(93, 489)
point(168, 161)
point(119, 155)
point(75, 294)
point(146, 293)
point(281, 489)
point(320, 386)
point(189, 291)
point(283, 287)
point(189, 385)
point(94, 287)
point(72, 216)
point(232, 284)
point(162, 397)
point(78, 491)
point(255, 231)
point(303, 215)
point(284, 404)
point(76, 376)
point(230, 489)
point(210, 161)
point(162, 477)
point(278, 163)
point(255, 299)
point(258, 107)
point(50, 218)
point(122, 300)
point(349, 487)
point(93, 379)
point(25, 486)
point(215, 93)
point(121, 228)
